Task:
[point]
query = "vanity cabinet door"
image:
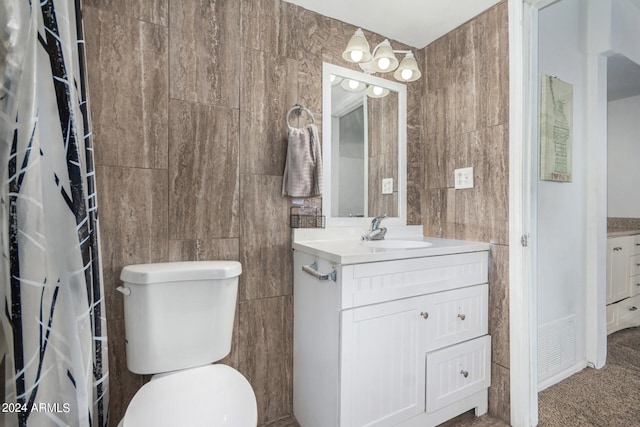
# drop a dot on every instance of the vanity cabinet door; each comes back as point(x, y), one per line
point(617, 273)
point(382, 365)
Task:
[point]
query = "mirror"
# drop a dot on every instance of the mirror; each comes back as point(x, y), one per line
point(364, 147)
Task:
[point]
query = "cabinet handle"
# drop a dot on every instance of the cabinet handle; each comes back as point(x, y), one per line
point(424, 314)
point(634, 308)
point(617, 248)
point(313, 271)
point(461, 317)
point(464, 373)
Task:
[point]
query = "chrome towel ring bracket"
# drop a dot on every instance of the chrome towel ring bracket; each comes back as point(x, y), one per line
point(297, 110)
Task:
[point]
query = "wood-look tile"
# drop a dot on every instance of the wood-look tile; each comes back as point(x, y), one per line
point(128, 87)
point(439, 73)
point(438, 211)
point(288, 421)
point(499, 304)
point(310, 86)
point(203, 171)
point(204, 250)
point(319, 33)
point(260, 24)
point(482, 212)
point(271, 26)
point(415, 139)
point(132, 206)
point(265, 238)
point(499, 392)
point(414, 196)
point(492, 66)
point(153, 11)
point(266, 359)
point(269, 89)
point(439, 141)
point(203, 55)
point(464, 70)
point(123, 385)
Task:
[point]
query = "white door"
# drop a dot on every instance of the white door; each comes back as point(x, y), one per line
point(382, 363)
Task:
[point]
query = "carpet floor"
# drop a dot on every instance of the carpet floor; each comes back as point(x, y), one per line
point(607, 397)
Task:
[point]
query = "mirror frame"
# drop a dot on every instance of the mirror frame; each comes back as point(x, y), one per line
point(401, 89)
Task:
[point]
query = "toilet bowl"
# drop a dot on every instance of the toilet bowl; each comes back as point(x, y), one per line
point(178, 322)
point(213, 395)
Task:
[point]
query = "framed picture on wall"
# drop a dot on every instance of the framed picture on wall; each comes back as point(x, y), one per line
point(556, 129)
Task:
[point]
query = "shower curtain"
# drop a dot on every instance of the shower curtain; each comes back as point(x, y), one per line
point(53, 322)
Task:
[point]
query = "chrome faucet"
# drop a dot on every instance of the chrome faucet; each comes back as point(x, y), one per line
point(375, 231)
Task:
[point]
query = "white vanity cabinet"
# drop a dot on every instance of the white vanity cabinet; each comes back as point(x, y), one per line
point(392, 343)
point(623, 282)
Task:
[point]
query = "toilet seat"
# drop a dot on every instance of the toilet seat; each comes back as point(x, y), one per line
point(212, 395)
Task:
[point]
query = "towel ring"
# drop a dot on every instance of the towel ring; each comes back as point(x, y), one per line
point(298, 109)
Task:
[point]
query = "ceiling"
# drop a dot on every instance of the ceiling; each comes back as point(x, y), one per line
point(413, 22)
point(623, 78)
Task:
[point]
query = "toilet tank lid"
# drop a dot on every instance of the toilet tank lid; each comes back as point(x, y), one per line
point(180, 271)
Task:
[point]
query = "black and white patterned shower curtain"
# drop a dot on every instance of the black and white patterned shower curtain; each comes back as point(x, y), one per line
point(53, 333)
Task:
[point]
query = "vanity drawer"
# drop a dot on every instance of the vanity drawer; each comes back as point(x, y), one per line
point(634, 285)
point(457, 372)
point(371, 283)
point(456, 316)
point(634, 265)
point(629, 312)
point(635, 244)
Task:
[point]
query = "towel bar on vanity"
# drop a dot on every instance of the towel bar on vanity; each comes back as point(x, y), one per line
point(313, 271)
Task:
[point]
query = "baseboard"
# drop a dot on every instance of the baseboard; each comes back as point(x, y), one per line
point(562, 375)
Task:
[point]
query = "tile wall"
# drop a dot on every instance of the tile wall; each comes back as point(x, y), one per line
point(188, 101)
point(466, 123)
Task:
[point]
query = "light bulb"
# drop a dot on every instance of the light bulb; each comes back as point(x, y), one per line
point(377, 90)
point(353, 84)
point(356, 55)
point(407, 73)
point(384, 63)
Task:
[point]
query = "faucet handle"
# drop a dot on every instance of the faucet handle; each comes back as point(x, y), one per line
point(375, 222)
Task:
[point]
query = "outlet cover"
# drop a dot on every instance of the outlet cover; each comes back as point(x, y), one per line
point(387, 186)
point(463, 178)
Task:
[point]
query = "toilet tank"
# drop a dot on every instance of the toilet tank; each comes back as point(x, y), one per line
point(178, 315)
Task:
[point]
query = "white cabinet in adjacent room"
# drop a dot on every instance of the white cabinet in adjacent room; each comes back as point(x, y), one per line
point(623, 282)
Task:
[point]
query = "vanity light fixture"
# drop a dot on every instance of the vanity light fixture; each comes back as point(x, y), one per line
point(377, 91)
point(383, 59)
point(353, 85)
point(335, 79)
point(358, 48)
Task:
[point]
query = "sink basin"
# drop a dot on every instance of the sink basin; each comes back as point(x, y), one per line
point(396, 244)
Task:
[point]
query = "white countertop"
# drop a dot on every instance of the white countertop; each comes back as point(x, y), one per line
point(343, 246)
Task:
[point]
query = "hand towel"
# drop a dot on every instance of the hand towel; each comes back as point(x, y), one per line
point(303, 168)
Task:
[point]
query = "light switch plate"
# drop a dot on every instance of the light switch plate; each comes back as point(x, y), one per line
point(463, 178)
point(387, 186)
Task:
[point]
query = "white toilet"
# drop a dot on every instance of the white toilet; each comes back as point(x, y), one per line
point(178, 321)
